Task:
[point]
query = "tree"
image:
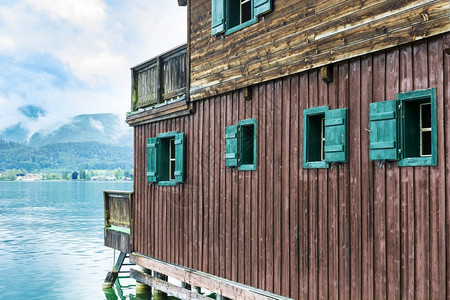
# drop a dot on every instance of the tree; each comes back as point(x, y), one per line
point(118, 174)
point(82, 174)
point(65, 176)
point(75, 175)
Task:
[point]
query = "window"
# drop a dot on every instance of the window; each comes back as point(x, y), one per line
point(165, 158)
point(324, 137)
point(405, 129)
point(240, 145)
point(229, 16)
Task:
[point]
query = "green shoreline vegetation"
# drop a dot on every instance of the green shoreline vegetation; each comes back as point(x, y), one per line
point(78, 175)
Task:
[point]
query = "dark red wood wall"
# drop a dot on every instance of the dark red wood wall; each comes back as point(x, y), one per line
point(356, 231)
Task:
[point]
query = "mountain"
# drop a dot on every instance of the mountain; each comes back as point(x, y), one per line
point(65, 156)
point(101, 128)
point(97, 141)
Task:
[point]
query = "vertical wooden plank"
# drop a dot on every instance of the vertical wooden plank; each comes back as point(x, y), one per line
point(196, 187)
point(344, 238)
point(355, 176)
point(165, 218)
point(235, 198)
point(333, 208)
point(144, 204)
point(286, 151)
point(229, 217)
point(255, 208)
point(247, 205)
point(187, 194)
point(241, 200)
point(277, 117)
point(313, 199)
point(191, 188)
point(322, 211)
point(211, 178)
point(421, 186)
point(303, 202)
point(366, 182)
point(136, 187)
point(392, 190)
point(446, 142)
point(270, 187)
point(379, 61)
point(294, 197)
point(437, 175)
point(223, 242)
point(158, 209)
point(204, 184)
point(408, 266)
point(217, 179)
point(262, 129)
point(151, 198)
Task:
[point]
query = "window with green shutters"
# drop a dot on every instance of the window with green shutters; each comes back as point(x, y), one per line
point(228, 16)
point(165, 158)
point(241, 145)
point(325, 138)
point(404, 129)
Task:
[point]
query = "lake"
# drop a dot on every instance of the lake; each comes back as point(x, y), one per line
point(51, 241)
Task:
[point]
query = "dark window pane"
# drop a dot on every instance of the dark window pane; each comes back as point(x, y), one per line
point(246, 11)
point(247, 144)
point(172, 170)
point(172, 149)
point(426, 143)
point(426, 115)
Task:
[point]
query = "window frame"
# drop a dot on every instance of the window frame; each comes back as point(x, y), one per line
point(166, 137)
point(418, 95)
point(221, 12)
point(234, 143)
point(307, 113)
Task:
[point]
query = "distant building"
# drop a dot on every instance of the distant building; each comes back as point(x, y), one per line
point(30, 177)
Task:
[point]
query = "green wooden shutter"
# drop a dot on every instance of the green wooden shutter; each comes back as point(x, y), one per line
point(231, 146)
point(179, 157)
point(152, 159)
point(336, 140)
point(383, 138)
point(217, 16)
point(261, 7)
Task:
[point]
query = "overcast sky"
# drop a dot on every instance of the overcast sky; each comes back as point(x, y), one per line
point(60, 58)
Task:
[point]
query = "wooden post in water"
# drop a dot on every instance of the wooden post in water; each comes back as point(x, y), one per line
point(142, 290)
point(157, 294)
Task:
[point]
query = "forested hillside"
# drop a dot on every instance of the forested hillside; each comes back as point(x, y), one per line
point(71, 156)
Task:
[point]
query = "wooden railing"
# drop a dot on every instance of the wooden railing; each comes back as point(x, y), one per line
point(159, 79)
point(118, 209)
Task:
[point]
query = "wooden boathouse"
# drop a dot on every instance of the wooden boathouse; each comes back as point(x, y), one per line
point(295, 149)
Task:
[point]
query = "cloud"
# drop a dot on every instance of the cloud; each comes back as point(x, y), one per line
point(82, 13)
point(73, 57)
point(97, 125)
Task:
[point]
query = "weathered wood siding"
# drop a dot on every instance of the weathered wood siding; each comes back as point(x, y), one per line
point(300, 35)
point(357, 231)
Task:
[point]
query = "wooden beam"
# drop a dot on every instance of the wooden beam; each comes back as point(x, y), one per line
point(218, 285)
point(326, 73)
point(248, 93)
point(165, 286)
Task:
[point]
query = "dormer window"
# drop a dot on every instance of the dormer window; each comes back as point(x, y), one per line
point(229, 16)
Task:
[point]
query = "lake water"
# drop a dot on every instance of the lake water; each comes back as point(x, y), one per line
point(51, 241)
